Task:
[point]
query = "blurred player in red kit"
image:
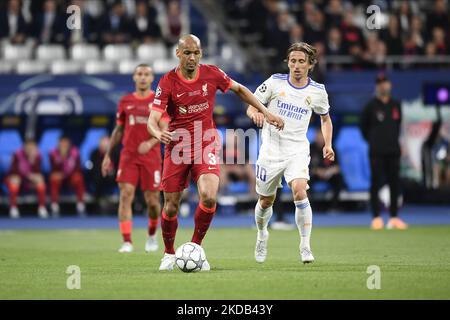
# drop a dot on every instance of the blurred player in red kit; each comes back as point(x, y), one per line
point(66, 170)
point(187, 93)
point(140, 158)
point(25, 173)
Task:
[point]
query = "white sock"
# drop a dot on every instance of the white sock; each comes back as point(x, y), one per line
point(303, 218)
point(262, 218)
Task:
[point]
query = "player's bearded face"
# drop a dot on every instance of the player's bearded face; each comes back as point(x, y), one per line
point(298, 64)
point(384, 88)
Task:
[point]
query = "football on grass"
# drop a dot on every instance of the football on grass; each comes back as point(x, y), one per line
point(190, 257)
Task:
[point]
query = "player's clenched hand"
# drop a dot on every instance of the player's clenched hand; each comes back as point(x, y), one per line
point(165, 137)
point(106, 165)
point(275, 120)
point(328, 153)
point(258, 119)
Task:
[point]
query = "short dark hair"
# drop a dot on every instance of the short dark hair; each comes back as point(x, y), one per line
point(64, 136)
point(308, 49)
point(143, 65)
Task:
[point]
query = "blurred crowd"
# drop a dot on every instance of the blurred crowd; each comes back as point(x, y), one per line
point(103, 22)
point(339, 27)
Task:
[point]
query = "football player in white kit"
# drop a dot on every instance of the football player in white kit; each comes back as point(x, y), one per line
point(293, 97)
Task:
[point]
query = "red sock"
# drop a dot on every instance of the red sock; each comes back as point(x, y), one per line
point(13, 192)
point(125, 229)
point(203, 218)
point(169, 227)
point(40, 189)
point(152, 226)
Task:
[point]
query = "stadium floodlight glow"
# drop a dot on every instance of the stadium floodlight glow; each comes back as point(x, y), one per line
point(436, 93)
point(442, 95)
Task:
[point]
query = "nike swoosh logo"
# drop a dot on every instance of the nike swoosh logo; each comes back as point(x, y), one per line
point(211, 168)
point(179, 95)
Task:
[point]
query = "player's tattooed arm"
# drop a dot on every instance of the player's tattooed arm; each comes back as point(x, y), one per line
point(154, 128)
point(116, 138)
point(327, 131)
point(247, 96)
point(256, 116)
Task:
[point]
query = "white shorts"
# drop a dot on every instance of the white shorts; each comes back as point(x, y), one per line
point(269, 173)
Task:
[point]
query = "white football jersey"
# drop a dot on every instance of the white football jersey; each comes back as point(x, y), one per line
point(295, 106)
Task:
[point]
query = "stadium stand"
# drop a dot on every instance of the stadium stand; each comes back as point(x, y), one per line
point(248, 39)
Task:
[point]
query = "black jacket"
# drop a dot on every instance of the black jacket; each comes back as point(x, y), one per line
point(380, 126)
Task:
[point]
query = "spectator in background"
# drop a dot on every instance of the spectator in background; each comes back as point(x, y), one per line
point(439, 16)
point(404, 16)
point(439, 42)
point(334, 12)
point(315, 27)
point(380, 126)
point(325, 170)
point(66, 170)
point(26, 174)
point(114, 26)
point(12, 23)
point(173, 22)
point(102, 186)
point(391, 36)
point(352, 35)
point(375, 55)
point(411, 45)
point(49, 26)
point(334, 44)
point(144, 28)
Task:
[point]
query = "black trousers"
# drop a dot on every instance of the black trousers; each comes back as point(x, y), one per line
point(384, 168)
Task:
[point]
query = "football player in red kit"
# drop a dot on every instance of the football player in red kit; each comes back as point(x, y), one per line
point(187, 93)
point(140, 158)
point(25, 173)
point(66, 170)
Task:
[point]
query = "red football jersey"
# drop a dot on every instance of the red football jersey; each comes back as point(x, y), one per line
point(190, 103)
point(133, 113)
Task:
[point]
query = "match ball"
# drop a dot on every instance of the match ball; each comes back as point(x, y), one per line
point(190, 257)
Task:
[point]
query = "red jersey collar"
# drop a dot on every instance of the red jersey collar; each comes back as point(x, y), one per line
point(142, 98)
point(178, 72)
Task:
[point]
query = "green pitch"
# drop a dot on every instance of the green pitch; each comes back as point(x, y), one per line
point(414, 264)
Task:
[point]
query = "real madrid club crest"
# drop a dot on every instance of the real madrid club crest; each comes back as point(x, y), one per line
point(308, 101)
point(205, 89)
point(182, 110)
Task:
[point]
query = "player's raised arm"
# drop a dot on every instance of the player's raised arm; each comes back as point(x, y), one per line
point(327, 132)
point(116, 138)
point(247, 96)
point(154, 128)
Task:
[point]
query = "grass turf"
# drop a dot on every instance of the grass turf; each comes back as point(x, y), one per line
point(415, 264)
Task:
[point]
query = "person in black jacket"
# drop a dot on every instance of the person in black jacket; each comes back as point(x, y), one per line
point(380, 126)
point(12, 23)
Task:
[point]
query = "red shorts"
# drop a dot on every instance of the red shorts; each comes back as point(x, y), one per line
point(132, 171)
point(176, 175)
